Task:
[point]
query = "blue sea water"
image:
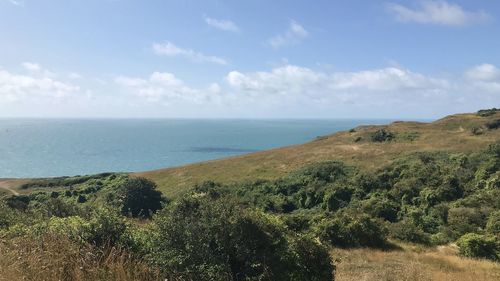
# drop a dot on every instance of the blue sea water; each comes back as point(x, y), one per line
point(49, 147)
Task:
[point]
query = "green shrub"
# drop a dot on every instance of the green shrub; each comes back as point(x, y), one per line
point(495, 124)
point(479, 246)
point(338, 196)
point(81, 198)
point(476, 131)
point(352, 230)
point(139, 197)
point(463, 220)
point(493, 224)
point(107, 227)
point(382, 207)
point(8, 216)
point(18, 202)
point(199, 238)
point(59, 208)
point(487, 112)
point(406, 230)
point(382, 135)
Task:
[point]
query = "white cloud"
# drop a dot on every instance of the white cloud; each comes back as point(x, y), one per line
point(36, 69)
point(163, 87)
point(485, 77)
point(294, 35)
point(171, 50)
point(387, 79)
point(225, 25)
point(18, 87)
point(289, 79)
point(282, 91)
point(483, 72)
point(437, 12)
point(31, 66)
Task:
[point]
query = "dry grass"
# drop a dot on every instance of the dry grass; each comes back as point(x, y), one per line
point(55, 257)
point(452, 133)
point(411, 265)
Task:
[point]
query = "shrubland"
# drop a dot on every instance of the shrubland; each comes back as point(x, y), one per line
point(298, 226)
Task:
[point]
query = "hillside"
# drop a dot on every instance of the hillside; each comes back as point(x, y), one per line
point(453, 133)
point(404, 201)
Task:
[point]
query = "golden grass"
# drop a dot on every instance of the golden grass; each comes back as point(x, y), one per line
point(410, 264)
point(53, 257)
point(452, 133)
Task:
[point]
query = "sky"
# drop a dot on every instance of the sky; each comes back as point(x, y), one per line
point(248, 59)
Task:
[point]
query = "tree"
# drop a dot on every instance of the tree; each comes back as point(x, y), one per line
point(203, 238)
point(139, 197)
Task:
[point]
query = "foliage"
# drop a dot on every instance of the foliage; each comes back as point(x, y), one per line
point(487, 112)
point(63, 181)
point(139, 197)
point(493, 224)
point(352, 230)
point(406, 230)
point(495, 124)
point(203, 238)
point(479, 246)
point(382, 135)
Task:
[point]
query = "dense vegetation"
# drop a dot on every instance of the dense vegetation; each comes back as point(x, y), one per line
point(78, 228)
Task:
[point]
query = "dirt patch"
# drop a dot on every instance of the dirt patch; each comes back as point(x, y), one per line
point(4, 185)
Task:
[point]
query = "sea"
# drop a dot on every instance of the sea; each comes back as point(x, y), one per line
point(33, 148)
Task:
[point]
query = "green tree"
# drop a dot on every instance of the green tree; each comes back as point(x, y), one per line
point(139, 197)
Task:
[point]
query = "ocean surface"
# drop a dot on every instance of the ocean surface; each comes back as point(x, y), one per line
point(49, 147)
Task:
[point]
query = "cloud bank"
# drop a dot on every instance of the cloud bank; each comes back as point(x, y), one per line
point(284, 91)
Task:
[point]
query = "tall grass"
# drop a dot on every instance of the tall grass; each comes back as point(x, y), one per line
point(413, 264)
point(54, 257)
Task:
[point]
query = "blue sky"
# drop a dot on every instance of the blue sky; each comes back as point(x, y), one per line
point(248, 59)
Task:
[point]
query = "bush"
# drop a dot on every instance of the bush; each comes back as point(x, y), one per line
point(406, 230)
point(382, 207)
point(214, 239)
point(8, 216)
point(476, 131)
point(463, 220)
point(493, 224)
point(487, 112)
point(18, 202)
point(479, 246)
point(140, 198)
point(81, 199)
point(382, 135)
point(495, 124)
point(352, 230)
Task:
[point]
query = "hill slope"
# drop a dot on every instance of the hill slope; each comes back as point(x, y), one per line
point(453, 133)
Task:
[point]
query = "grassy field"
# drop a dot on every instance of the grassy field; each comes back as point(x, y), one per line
point(412, 263)
point(24, 260)
point(452, 133)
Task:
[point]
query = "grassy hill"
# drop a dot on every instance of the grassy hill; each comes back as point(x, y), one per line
point(455, 133)
point(404, 201)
